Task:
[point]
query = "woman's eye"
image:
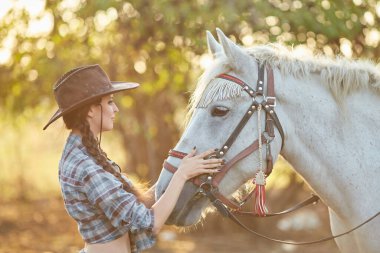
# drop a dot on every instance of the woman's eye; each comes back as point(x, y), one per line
point(219, 111)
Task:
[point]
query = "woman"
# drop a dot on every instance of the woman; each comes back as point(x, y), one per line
point(111, 213)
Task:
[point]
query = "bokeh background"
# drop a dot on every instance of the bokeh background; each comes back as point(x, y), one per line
point(160, 44)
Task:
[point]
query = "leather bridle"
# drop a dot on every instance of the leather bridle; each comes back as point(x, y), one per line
point(209, 187)
point(267, 103)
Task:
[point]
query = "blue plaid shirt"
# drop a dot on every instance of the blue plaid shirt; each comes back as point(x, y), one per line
point(98, 203)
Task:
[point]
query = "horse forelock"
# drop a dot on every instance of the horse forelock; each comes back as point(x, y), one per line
point(341, 75)
point(209, 88)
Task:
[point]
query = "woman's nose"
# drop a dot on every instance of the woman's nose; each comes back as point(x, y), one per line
point(115, 108)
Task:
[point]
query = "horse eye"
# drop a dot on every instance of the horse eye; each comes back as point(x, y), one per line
point(219, 111)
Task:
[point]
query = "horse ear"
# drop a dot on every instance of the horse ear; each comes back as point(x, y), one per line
point(213, 46)
point(233, 52)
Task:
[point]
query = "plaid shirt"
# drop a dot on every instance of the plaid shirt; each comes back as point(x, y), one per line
point(98, 203)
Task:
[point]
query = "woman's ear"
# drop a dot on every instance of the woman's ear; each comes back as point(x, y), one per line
point(92, 111)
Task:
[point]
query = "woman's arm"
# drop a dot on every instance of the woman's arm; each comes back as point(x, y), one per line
point(192, 165)
point(150, 196)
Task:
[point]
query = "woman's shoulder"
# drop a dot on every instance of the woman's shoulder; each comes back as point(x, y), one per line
point(75, 160)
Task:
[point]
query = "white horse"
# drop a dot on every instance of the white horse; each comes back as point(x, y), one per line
point(330, 112)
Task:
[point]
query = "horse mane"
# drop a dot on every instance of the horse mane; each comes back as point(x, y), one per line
point(341, 75)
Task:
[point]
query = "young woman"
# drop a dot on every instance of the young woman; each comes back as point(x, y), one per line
point(111, 213)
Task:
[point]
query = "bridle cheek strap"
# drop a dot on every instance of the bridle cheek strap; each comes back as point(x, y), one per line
point(225, 168)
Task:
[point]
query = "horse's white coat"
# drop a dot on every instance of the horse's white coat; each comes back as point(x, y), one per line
point(331, 122)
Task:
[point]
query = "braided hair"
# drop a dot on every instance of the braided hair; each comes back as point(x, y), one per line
point(77, 120)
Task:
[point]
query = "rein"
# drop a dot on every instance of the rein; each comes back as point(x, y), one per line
point(227, 213)
point(209, 187)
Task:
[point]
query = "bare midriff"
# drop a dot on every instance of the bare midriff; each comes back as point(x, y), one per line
point(120, 245)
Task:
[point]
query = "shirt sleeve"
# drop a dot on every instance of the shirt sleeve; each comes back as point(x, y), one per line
point(121, 207)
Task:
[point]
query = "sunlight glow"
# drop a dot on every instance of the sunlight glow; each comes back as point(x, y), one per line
point(6, 5)
point(32, 75)
point(271, 20)
point(369, 18)
point(7, 47)
point(301, 51)
point(25, 60)
point(260, 37)
point(41, 26)
point(275, 30)
point(205, 61)
point(34, 9)
point(101, 21)
point(72, 5)
point(63, 30)
point(326, 4)
point(5, 55)
point(10, 41)
point(346, 47)
point(140, 67)
point(40, 21)
point(104, 18)
point(130, 11)
point(247, 40)
point(327, 50)
point(285, 37)
point(178, 41)
point(372, 37)
point(297, 4)
point(159, 46)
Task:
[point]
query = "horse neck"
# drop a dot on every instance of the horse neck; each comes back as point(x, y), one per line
point(326, 141)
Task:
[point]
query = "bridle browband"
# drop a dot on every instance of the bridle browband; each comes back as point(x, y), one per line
point(209, 187)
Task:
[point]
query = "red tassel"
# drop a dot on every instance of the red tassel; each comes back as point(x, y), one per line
point(260, 207)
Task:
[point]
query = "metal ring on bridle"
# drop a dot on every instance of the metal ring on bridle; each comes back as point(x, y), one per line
point(261, 99)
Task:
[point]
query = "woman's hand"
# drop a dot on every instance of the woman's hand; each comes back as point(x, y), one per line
point(194, 165)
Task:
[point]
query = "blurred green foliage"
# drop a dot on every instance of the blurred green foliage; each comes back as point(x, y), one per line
point(159, 44)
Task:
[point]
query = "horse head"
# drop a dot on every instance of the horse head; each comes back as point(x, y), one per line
point(329, 108)
point(232, 90)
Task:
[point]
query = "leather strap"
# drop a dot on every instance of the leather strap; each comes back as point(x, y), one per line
point(270, 84)
point(226, 146)
point(225, 168)
point(311, 200)
point(268, 103)
point(227, 213)
point(260, 79)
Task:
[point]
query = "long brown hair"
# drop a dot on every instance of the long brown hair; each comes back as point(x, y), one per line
point(78, 120)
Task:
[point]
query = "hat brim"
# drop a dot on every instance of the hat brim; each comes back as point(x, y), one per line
point(116, 87)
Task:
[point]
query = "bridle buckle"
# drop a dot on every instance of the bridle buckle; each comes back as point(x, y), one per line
point(206, 186)
point(273, 100)
point(267, 137)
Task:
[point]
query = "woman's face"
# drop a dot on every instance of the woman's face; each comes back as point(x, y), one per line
point(107, 110)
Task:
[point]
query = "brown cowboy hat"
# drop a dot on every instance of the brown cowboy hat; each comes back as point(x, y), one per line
point(82, 86)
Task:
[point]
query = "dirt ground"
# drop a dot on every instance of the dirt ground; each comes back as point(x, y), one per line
point(44, 227)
